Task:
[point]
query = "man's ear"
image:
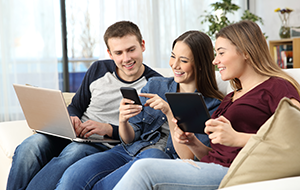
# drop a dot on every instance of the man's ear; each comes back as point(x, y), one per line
point(109, 53)
point(143, 45)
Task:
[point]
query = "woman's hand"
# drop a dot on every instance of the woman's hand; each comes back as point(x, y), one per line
point(183, 137)
point(128, 109)
point(182, 140)
point(220, 131)
point(156, 102)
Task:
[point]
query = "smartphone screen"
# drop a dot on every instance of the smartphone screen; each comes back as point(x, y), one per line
point(130, 93)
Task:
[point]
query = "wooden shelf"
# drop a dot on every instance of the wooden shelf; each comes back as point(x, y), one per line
point(291, 41)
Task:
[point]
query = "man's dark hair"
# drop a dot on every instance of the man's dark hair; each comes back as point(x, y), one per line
point(121, 29)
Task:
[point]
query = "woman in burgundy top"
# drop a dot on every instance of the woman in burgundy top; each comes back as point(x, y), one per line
point(242, 56)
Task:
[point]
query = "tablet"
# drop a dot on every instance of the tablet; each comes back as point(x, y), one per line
point(190, 111)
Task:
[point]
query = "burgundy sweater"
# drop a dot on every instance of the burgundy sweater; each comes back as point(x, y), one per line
point(248, 113)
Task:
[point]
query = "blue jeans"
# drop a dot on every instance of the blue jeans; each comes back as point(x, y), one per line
point(176, 174)
point(113, 178)
point(40, 160)
point(85, 173)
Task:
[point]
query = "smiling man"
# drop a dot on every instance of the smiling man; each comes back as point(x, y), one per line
point(127, 54)
point(40, 160)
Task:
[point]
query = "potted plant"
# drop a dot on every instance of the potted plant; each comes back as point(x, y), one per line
point(217, 22)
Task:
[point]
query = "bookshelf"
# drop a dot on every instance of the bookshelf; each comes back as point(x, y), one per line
point(295, 42)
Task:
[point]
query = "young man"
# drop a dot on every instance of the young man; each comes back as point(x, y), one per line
point(40, 160)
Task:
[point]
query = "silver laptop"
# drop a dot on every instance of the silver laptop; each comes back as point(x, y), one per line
point(46, 112)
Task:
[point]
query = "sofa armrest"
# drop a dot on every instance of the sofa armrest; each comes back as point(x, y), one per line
point(12, 133)
point(68, 97)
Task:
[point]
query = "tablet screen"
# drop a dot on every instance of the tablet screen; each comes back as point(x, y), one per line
point(190, 111)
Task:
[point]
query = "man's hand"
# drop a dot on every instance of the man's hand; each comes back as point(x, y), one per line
point(76, 122)
point(90, 127)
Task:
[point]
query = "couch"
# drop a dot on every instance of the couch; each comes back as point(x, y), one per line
point(13, 133)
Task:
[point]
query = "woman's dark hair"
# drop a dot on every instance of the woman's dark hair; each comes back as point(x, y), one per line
point(202, 50)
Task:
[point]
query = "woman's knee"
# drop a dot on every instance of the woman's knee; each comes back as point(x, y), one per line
point(141, 171)
point(143, 165)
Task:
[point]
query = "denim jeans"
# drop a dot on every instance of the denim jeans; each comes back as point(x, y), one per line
point(169, 174)
point(85, 173)
point(113, 178)
point(40, 160)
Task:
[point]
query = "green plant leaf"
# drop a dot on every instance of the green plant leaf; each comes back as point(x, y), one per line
point(216, 23)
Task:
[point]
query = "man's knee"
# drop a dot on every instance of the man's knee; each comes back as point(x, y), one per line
point(32, 144)
point(153, 153)
point(75, 149)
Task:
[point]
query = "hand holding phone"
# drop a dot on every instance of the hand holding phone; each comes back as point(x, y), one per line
point(131, 94)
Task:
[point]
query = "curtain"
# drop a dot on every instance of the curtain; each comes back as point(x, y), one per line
point(31, 42)
point(27, 51)
point(160, 22)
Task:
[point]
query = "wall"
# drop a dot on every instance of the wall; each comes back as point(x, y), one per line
point(272, 23)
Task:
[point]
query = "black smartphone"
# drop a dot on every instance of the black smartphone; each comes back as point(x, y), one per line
point(130, 93)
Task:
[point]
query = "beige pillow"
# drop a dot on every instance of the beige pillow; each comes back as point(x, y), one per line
point(273, 152)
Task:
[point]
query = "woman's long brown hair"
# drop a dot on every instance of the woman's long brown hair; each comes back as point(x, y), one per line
point(250, 41)
point(202, 49)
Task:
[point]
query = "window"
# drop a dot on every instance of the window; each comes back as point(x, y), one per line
point(30, 38)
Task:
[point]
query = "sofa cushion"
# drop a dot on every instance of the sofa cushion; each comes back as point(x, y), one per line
point(272, 153)
point(68, 97)
point(12, 133)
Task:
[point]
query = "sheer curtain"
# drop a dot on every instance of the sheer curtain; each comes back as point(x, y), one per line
point(27, 51)
point(160, 21)
point(28, 28)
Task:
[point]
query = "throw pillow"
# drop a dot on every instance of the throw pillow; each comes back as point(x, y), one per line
point(272, 153)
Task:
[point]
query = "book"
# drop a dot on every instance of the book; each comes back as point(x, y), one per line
point(284, 55)
point(278, 56)
point(287, 59)
point(275, 53)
